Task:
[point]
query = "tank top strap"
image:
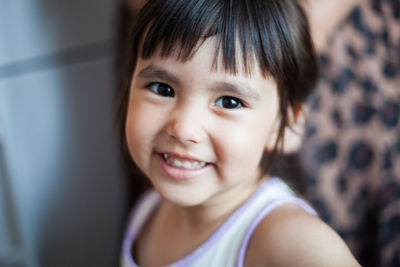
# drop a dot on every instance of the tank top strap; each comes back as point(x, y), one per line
point(262, 215)
point(140, 214)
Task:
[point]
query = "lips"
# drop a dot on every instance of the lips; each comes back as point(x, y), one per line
point(182, 168)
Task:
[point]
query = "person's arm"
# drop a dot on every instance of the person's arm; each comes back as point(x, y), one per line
point(325, 15)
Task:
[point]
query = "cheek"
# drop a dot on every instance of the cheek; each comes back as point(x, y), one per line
point(242, 147)
point(138, 132)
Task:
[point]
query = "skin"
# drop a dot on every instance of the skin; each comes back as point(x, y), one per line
point(209, 117)
point(325, 15)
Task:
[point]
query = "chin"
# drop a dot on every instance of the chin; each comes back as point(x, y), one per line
point(183, 198)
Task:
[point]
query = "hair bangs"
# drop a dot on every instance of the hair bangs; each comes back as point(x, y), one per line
point(245, 31)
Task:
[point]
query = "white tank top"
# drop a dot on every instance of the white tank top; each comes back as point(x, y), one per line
point(227, 246)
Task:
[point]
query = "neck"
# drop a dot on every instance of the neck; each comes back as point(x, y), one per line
point(215, 211)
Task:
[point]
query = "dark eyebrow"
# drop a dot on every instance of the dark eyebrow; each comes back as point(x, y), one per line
point(154, 72)
point(237, 88)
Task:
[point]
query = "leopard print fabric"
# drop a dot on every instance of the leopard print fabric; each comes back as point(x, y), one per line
point(351, 151)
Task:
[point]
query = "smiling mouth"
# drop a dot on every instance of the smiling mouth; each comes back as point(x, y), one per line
point(183, 163)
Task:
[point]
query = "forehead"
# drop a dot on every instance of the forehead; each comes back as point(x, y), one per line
point(209, 54)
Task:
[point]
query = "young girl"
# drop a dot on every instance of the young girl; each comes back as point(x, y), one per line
point(215, 84)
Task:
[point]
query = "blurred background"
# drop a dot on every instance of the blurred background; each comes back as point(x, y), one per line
point(62, 199)
point(63, 196)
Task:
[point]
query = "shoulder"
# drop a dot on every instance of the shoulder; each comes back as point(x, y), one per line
point(291, 237)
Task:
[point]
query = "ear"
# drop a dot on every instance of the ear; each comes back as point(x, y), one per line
point(273, 136)
point(294, 132)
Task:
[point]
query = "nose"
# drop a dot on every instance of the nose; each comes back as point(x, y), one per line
point(185, 124)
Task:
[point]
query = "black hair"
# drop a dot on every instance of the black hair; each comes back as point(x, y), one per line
point(270, 34)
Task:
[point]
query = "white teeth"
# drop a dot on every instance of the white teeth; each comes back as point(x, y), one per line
point(184, 164)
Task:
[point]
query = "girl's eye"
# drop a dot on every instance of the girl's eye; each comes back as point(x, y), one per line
point(229, 102)
point(161, 89)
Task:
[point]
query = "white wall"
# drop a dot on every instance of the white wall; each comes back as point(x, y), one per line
point(60, 181)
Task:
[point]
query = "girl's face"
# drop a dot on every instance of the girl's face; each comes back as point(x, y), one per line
point(196, 132)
